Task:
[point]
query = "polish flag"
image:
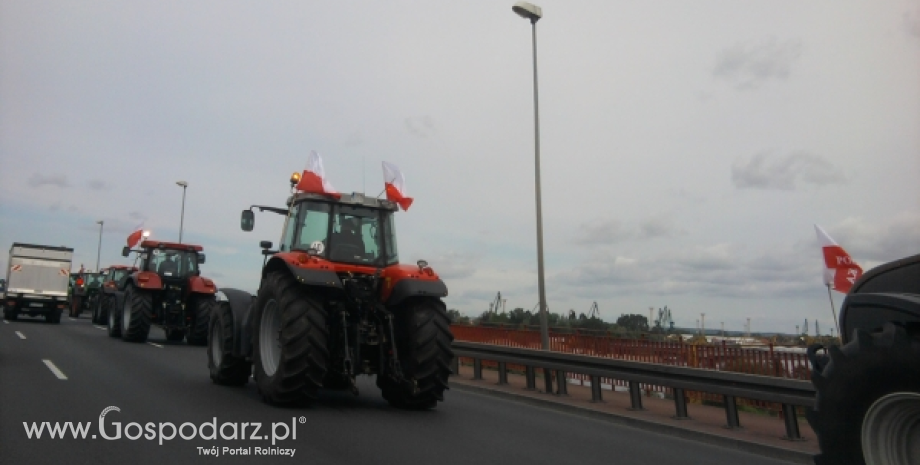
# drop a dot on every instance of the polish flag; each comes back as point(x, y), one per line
point(314, 180)
point(840, 269)
point(135, 237)
point(395, 184)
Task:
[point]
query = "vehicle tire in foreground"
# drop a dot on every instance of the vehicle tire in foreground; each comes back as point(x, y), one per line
point(136, 315)
point(868, 401)
point(197, 333)
point(11, 315)
point(423, 341)
point(225, 368)
point(112, 316)
point(289, 341)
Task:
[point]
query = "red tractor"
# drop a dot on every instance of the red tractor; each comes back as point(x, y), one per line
point(113, 280)
point(334, 303)
point(168, 291)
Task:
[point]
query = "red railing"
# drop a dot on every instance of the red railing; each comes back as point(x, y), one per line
point(766, 361)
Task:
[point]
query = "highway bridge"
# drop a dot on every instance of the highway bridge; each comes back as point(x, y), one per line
point(73, 372)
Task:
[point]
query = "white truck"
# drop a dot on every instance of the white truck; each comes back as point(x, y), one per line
point(37, 280)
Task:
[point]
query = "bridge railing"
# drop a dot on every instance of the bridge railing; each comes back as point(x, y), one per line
point(640, 368)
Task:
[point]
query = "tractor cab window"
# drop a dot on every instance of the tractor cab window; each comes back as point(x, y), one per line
point(117, 274)
point(92, 280)
point(172, 263)
point(313, 222)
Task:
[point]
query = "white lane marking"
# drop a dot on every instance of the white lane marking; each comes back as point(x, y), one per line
point(71, 319)
point(57, 372)
point(100, 327)
point(21, 336)
point(6, 322)
point(155, 345)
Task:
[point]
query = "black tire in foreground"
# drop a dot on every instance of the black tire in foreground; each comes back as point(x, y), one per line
point(197, 333)
point(10, 316)
point(289, 341)
point(423, 341)
point(225, 368)
point(113, 317)
point(136, 315)
point(868, 401)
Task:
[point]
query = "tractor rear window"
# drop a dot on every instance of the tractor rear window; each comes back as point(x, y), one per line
point(172, 263)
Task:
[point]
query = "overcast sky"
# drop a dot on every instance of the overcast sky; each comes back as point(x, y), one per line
point(688, 147)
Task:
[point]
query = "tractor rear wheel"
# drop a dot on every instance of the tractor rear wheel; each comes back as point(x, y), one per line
point(114, 323)
point(136, 315)
point(423, 341)
point(225, 368)
point(868, 401)
point(197, 333)
point(289, 341)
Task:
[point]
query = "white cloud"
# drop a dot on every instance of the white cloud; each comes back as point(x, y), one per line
point(768, 171)
point(749, 65)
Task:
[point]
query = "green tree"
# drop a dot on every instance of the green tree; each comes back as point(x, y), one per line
point(633, 322)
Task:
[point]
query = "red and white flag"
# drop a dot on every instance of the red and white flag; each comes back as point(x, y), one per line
point(395, 184)
point(135, 237)
point(840, 269)
point(314, 180)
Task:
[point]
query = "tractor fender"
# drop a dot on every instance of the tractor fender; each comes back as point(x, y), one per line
point(309, 272)
point(200, 285)
point(239, 302)
point(409, 287)
point(146, 280)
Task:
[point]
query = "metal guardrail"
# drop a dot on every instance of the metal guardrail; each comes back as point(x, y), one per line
point(788, 392)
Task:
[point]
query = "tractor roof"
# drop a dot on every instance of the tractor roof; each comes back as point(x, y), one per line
point(122, 267)
point(170, 245)
point(355, 198)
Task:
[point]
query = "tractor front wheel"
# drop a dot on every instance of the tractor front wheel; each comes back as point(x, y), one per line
point(289, 346)
point(423, 341)
point(112, 316)
point(868, 401)
point(136, 315)
point(225, 368)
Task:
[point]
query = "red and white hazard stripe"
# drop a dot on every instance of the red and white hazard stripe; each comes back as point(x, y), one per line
point(17, 268)
point(64, 272)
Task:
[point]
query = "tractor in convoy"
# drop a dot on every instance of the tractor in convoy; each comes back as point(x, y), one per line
point(166, 290)
point(113, 279)
point(867, 409)
point(334, 303)
point(84, 291)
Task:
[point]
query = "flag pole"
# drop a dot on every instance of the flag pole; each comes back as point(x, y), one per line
point(833, 311)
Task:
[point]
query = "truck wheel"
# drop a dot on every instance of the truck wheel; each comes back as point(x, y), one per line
point(10, 315)
point(423, 340)
point(225, 368)
point(56, 316)
point(135, 316)
point(197, 334)
point(868, 401)
point(289, 341)
point(114, 324)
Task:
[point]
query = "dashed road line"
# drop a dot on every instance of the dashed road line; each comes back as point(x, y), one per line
point(100, 327)
point(155, 345)
point(57, 371)
point(21, 336)
point(6, 322)
point(71, 319)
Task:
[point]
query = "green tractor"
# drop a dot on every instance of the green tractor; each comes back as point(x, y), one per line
point(84, 289)
point(867, 409)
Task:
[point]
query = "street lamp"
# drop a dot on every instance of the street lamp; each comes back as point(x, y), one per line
point(534, 13)
point(182, 218)
point(99, 249)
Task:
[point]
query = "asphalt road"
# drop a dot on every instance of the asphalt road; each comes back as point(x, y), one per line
point(162, 385)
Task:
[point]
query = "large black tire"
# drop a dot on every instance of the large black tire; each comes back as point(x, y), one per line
point(289, 367)
point(860, 373)
point(10, 315)
point(97, 309)
point(113, 316)
point(225, 368)
point(197, 333)
point(136, 315)
point(423, 341)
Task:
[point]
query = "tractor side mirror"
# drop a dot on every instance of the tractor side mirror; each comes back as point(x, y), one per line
point(201, 259)
point(265, 244)
point(125, 251)
point(247, 220)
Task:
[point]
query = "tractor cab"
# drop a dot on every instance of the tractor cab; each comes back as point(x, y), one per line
point(353, 230)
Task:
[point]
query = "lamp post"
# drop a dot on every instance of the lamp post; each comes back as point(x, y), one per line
point(534, 13)
point(182, 218)
point(99, 248)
